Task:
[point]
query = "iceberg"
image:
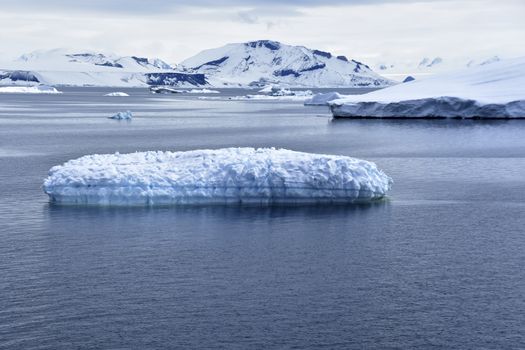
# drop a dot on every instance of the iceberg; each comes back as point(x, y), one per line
point(222, 176)
point(117, 94)
point(35, 89)
point(322, 99)
point(203, 91)
point(122, 116)
point(164, 90)
point(276, 93)
point(487, 91)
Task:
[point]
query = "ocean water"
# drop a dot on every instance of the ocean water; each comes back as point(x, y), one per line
point(440, 264)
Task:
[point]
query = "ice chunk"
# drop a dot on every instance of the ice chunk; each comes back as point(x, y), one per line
point(322, 99)
point(122, 116)
point(165, 90)
point(117, 94)
point(203, 91)
point(488, 91)
point(36, 89)
point(230, 175)
point(280, 94)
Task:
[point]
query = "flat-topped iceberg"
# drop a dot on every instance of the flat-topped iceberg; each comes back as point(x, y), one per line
point(230, 175)
point(117, 94)
point(488, 91)
point(35, 89)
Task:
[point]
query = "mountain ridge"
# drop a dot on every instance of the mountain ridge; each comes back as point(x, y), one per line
point(261, 62)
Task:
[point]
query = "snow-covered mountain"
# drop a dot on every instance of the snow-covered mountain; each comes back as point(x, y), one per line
point(63, 67)
point(61, 59)
point(262, 62)
point(427, 66)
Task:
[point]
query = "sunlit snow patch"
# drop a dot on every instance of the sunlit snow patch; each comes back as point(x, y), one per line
point(230, 175)
point(36, 89)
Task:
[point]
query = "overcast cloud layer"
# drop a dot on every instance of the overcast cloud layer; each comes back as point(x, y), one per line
point(372, 31)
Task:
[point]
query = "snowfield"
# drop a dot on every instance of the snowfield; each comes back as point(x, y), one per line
point(230, 175)
point(488, 91)
point(36, 89)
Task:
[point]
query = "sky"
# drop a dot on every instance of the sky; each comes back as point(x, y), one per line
point(372, 31)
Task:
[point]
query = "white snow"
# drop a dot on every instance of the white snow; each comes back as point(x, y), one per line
point(117, 94)
point(36, 89)
point(230, 175)
point(488, 91)
point(322, 99)
point(122, 116)
point(266, 62)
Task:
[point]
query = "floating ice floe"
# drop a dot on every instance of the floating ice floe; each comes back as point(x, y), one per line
point(203, 91)
point(280, 94)
point(117, 94)
point(322, 99)
point(165, 90)
point(230, 175)
point(487, 91)
point(36, 89)
point(122, 116)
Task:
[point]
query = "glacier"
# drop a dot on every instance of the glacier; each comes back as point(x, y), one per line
point(35, 89)
point(486, 91)
point(221, 176)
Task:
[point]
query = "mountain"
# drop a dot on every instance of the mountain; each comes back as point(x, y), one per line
point(89, 61)
point(63, 67)
point(263, 62)
point(428, 66)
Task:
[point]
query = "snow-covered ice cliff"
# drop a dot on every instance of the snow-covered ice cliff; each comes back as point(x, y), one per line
point(485, 91)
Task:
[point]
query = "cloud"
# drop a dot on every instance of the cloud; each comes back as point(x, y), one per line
point(174, 30)
point(155, 7)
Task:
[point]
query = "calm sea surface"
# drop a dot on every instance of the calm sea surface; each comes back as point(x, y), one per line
point(441, 264)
